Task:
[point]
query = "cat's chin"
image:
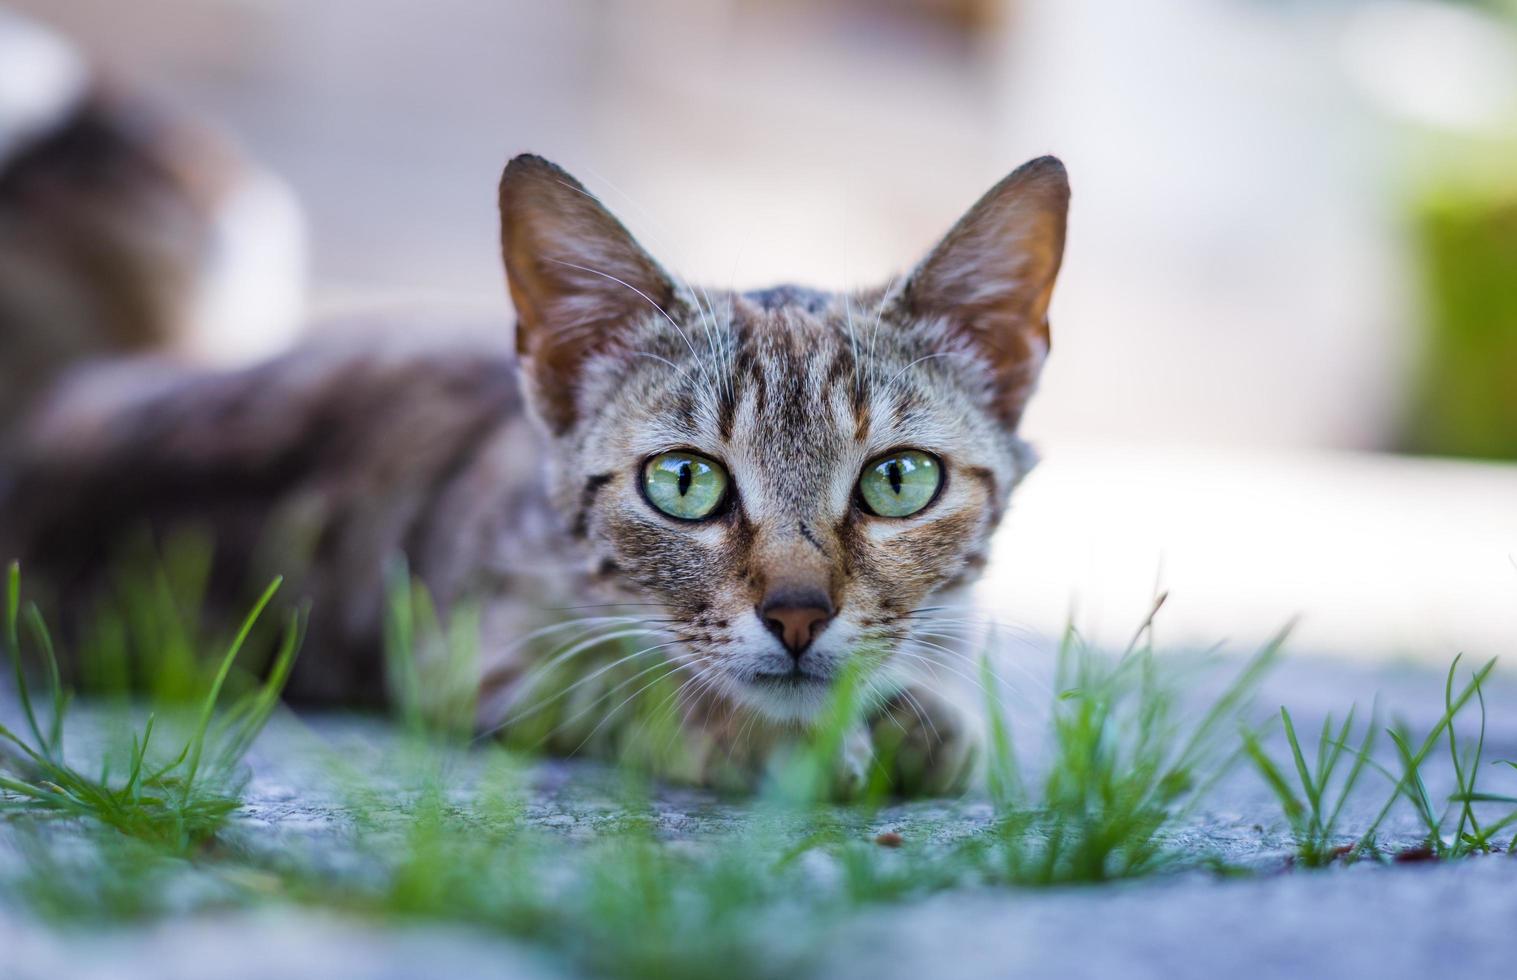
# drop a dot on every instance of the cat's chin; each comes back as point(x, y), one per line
point(793, 698)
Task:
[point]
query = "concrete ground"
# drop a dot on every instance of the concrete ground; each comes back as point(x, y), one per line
point(1405, 920)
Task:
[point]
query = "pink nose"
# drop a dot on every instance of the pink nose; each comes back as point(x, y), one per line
point(796, 617)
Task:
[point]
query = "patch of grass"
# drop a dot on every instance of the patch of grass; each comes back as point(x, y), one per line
point(623, 904)
point(88, 874)
point(431, 662)
point(1123, 769)
point(176, 800)
point(1468, 836)
point(148, 631)
point(1484, 836)
point(1312, 807)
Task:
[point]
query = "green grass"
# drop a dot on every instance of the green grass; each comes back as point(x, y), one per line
point(623, 904)
point(1312, 804)
point(1124, 770)
point(429, 825)
point(1467, 836)
point(176, 799)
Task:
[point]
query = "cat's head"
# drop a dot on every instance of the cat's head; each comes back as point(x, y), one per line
point(790, 475)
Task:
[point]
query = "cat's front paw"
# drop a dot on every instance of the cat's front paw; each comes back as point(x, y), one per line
point(850, 770)
point(803, 771)
point(748, 757)
point(928, 746)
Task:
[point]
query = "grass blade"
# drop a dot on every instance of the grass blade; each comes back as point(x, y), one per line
point(1312, 791)
point(44, 642)
point(1003, 776)
point(13, 648)
point(1361, 759)
point(1294, 810)
point(197, 742)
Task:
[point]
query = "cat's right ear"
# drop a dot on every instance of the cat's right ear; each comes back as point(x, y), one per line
point(577, 278)
point(989, 281)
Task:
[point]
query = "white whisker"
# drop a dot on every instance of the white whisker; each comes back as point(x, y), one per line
point(537, 672)
point(625, 701)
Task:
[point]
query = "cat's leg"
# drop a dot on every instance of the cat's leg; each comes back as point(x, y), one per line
point(928, 744)
point(741, 752)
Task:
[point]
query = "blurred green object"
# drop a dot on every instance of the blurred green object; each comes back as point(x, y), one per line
point(1465, 396)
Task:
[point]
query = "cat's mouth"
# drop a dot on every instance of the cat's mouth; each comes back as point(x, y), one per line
point(791, 679)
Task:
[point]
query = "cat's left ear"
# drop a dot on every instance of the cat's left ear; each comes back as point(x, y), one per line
point(989, 281)
point(578, 279)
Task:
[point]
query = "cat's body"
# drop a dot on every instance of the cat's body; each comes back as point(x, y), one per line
point(323, 465)
point(755, 490)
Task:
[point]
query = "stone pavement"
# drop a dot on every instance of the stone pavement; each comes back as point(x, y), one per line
point(1407, 920)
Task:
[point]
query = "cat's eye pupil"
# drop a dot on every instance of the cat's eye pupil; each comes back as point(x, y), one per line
point(894, 475)
point(684, 478)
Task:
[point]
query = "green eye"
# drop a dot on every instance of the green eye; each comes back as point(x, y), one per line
point(684, 485)
point(900, 484)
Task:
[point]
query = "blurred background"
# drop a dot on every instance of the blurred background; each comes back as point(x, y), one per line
point(1284, 378)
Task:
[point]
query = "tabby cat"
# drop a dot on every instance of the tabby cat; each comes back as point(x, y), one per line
point(754, 489)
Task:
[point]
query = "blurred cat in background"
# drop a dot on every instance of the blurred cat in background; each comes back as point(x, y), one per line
point(741, 495)
point(126, 228)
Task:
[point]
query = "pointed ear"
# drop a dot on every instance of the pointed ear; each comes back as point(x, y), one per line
point(990, 279)
point(577, 277)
